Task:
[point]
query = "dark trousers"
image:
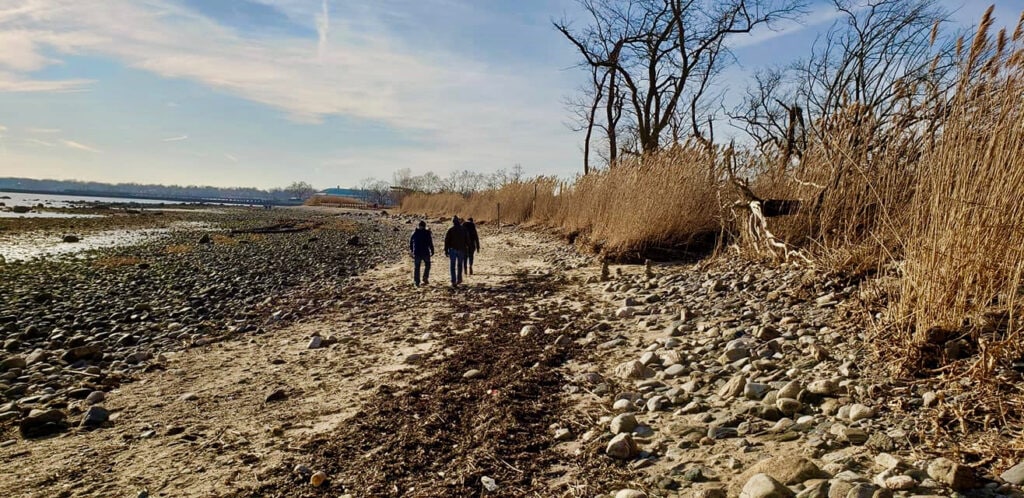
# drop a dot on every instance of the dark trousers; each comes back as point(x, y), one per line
point(467, 262)
point(426, 269)
point(457, 258)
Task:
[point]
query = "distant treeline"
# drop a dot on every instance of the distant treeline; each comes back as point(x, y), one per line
point(300, 190)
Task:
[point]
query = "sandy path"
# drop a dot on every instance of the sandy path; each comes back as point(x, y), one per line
point(199, 423)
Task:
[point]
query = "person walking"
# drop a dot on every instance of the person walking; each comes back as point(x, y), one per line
point(472, 244)
point(455, 249)
point(421, 247)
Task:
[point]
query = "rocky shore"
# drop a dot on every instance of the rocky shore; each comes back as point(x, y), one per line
point(74, 328)
point(545, 375)
point(735, 379)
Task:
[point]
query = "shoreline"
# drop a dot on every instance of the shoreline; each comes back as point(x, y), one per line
point(674, 381)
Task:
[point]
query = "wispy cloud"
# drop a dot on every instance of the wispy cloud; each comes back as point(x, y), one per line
point(35, 141)
point(79, 146)
point(16, 84)
point(230, 157)
point(47, 131)
point(175, 139)
point(323, 26)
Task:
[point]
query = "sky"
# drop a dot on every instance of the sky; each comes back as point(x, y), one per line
point(263, 93)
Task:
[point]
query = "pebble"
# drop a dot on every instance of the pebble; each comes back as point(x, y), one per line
point(472, 374)
point(860, 412)
point(763, 486)
point(95, 416)
point(622, 447)
point(623, 423)
point(630, 493)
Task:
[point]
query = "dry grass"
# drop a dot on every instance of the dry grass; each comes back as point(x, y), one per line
point(333, 201)
point(644, 204)
point(180, 248)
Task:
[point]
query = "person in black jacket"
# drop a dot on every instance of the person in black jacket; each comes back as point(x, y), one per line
point(472, 245)
point(455, 248)
point(421, 247)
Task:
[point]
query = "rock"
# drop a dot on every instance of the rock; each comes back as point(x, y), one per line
point(788, 406)
point(952, 474)
point(763, 486)
point(13, 362)
point(860, 412)
point(563, 435)
point(787, 469)
point(96, 397)
point(528, 330)
point(315, 342)
point(91, 351)
point(622, 447)
point(879, 441)
point(623, 423)
point(755, 391)
point(318, 479)
point(634, 370)
point(888, 462)
point(95, 416)
point(766, 333)
point(862, 490)
point(205, 239)
point(900, 483)
point(37, 356)
point(188, 397)
point(838, 488)
point(42, 423)
point(630, 493)
point(790, 390)
point(623, 405)
point(472, 374)
point(674, 371)
point(355, 241)
point(710, 493)
point(275, 394)
point(816, 488)
point(489, 484)
point(930, 399)
point(413, 358)
point(823, 387)
point(733, 388)
point(1014, 475)
point(70, 239)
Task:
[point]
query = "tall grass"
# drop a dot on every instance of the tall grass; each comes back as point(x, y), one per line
point(641, 204)
point(964, 251)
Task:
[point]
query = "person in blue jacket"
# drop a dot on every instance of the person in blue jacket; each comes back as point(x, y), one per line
point(421, 247)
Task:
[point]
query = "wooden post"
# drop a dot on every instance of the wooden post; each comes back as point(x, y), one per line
point(499, 216)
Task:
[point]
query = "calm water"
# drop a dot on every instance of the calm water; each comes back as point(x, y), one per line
point(58, 201)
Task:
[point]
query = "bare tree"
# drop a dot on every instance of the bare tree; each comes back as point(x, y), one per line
point(884, 57)
point(662, 55)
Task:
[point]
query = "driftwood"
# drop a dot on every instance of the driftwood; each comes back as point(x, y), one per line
point(756, 227)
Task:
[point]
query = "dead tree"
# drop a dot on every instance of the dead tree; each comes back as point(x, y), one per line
point(663, 54)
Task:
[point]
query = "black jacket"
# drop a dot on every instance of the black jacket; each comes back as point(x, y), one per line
point(456, 239)
point(422, 243)
point(472, 238)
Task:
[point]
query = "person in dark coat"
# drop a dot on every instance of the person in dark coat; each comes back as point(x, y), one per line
point(455, 245)
point(472, 245)
point(421, 246)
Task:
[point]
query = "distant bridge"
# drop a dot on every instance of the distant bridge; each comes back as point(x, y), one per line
point(176, 199)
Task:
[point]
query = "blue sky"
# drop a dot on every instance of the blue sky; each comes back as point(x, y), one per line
point(266, 92)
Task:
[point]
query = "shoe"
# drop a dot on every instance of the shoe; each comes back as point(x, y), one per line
point(426, 283)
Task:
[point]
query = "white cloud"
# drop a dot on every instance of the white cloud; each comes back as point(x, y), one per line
point(323, 26)
point(175, 139)
point(79, 146)
point(231, 157)
point(34, 141)
point(46, 131)
point(17, 84)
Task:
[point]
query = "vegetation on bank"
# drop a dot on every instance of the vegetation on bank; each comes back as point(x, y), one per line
point(925, 195)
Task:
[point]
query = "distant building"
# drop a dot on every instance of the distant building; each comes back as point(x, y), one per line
point(362, 195)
